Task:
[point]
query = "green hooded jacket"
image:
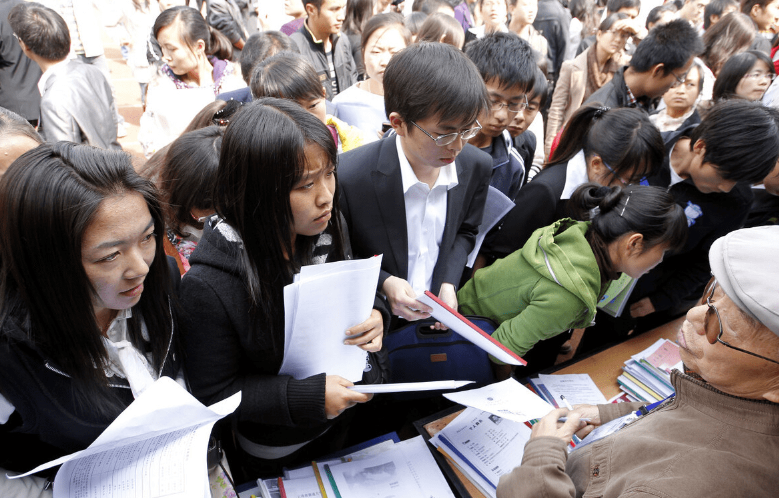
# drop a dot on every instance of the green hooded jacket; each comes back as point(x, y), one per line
point(549, 286)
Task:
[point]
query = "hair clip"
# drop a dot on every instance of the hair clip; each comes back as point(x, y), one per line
point(626, 205)
point(594, 212)
point(600, 111)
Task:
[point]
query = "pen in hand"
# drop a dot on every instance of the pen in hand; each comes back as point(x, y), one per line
point(567, 404)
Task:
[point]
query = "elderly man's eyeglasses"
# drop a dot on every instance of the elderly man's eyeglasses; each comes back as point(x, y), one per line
point(451, 137)
point(514, 108)
point(714, 311)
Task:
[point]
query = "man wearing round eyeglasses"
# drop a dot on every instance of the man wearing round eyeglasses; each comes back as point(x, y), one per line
point(719, 435)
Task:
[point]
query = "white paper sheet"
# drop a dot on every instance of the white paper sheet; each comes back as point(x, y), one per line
point(490, 445)
point(466, 329)
point(404, 387)
point(326, 301)
point(496, 207)
point(578, 389)
point(508, 399)
point(155, 447)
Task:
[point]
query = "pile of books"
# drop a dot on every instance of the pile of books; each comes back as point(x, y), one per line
point(387, 468)
point(646, 376)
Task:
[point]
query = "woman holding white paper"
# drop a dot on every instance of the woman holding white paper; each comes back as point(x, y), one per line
point(554, 283)
point(86, 322)
point(276, 212)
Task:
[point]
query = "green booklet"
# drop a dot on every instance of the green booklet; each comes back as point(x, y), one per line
point(617, 294)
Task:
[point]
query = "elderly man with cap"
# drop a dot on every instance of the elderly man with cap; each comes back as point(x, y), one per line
point(718, 436)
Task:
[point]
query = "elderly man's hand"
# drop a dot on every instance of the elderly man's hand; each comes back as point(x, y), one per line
point(549, 426)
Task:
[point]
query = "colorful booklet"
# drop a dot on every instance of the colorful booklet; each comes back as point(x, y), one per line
point(617, 294)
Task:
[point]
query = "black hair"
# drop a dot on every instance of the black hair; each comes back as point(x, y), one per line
point(316, 3)
point(13, 125)
point(614, 6)
point(748, 5)
point(452, 89)
point(655, 14)
point(540, 88)
point(505, 57)
point(357, 14)
point(741, 139)
point(286, 75)
point(586, 12)
point(414, 22)
point(734, 33)
point(188, 176)
point(624, 138)
point(431, 7)
point(697, 65)
point(716, 8)
point(193, 27)
point(49, 197)
point(263, 157)
point(733, 72)
point(441, 28)
point(609, 21)
point(381, 21)
point(260, 46)
point(44, 32)
point(649, 211)
point(672, 44)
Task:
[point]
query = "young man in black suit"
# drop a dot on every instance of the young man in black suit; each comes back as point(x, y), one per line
point(417, 197)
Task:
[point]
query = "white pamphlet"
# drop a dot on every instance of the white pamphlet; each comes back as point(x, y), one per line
point(458, 323)
point(578, 389)
point(508, 399)
point(156, 447)
point(495, 208)
point(326, 300)
point(405, 387)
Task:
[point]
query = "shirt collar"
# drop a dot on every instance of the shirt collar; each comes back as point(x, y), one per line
point(313, 37)
point(447, 174)
point(117, 330)
point(49, 72)
point(575, 174)
point(675, 178)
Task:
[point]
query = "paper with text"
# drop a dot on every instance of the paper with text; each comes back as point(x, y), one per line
point(578, 389)
point(318, 308)
point(508, 399)
point(156, 447)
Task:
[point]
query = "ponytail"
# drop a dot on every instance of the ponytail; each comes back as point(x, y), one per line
point(624, 139)
point(219, 45)
point(615, 211)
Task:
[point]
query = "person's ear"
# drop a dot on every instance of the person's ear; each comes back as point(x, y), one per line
point(595, 168)
point(658, 71)
point(699, 147)
point(200, 46)
point(443, 37)
point(398, 124)
point(713, 19)
point(634, 244)
point(755, 11)
point(311, 9)
point(324, 92)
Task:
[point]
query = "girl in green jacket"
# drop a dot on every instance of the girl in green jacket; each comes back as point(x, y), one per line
point(554, 282)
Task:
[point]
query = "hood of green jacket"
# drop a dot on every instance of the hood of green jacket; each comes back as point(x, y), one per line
point(560, 253)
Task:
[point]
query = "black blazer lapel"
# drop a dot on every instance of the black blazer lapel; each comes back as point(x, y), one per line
point(388, 187)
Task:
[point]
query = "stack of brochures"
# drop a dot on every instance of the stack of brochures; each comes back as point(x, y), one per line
point(646, 376)
point(578, 389)
point(389, 468)
point(483, 447)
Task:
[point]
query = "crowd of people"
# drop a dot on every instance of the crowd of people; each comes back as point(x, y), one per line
point(629, 139)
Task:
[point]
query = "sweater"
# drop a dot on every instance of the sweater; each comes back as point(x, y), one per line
point(703, 443)
point(549, 286)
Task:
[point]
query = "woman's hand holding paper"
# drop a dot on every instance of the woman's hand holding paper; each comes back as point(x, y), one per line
point(368, 335)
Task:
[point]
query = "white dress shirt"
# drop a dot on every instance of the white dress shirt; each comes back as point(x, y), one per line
point(425, 219)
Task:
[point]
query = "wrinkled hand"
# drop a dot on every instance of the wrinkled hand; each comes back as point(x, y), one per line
point(641, 308)
point(338, 398)
point(368, 335)
point(402, 300)
point(587, 411)
point(448, 295)
point(549, 426)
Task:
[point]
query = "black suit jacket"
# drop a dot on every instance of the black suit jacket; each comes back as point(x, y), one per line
point(371, 200)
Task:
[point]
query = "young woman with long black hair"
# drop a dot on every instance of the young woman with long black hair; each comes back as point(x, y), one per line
point(276, 212)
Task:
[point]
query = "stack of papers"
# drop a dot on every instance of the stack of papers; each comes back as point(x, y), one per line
point(483, 446)
point(578, 389)
point(647, 375)
point(319, 306)
point(387, 469)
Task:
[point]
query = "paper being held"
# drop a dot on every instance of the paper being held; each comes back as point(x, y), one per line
point(508, 399)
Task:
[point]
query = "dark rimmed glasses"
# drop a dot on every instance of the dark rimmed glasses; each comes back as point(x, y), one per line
point(714, 309)
point(444, 140)
point(679, 79)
